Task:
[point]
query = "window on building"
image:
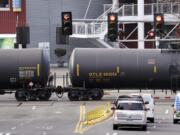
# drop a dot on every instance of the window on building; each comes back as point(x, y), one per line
point(4, 4)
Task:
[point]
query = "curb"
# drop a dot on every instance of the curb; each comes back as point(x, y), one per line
point(95, 121)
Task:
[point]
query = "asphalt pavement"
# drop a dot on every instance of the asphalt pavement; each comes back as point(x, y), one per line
point(60, 117)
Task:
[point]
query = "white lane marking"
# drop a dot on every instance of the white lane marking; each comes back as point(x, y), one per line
point(167, 111)
point(112, 133)
point(154, 126)
point(13, 128)
point(58, 112)
point(34, 108)
point(148, 132)
point(8, 134)
point(1, 133)
point(47, 127)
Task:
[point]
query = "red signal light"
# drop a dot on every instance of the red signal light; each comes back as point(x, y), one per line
point(159, 18)
point(151, 34)
point(66, 16)
point(112, 26)
point(66, 23)
point(112, 18)
point(158, 21)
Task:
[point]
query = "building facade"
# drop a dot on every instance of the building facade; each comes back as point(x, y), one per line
point(12, 15)
point(43, 16)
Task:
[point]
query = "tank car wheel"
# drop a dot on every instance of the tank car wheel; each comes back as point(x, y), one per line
point(32, 96)
point(98, 94)
point(71, 97)
point(20, 95)
point(44, 95)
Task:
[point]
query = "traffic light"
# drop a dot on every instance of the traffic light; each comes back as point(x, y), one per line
point(112, 26)
point(151, 34)
point(158, 21)
point(23, 35)
point(66, 23)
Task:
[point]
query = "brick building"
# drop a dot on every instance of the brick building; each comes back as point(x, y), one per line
point(12, 15)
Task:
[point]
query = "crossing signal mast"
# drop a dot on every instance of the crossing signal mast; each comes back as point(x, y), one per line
point(112, 27)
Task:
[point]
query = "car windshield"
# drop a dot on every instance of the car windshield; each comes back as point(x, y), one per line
point(130, 106)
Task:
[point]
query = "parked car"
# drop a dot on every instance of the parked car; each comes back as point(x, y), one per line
point(176, 109)
point(149, 104)
point(129, 113)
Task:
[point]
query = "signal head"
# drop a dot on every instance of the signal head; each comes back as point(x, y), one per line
point(112, 17)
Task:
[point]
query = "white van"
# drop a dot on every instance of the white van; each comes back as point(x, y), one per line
point(129, 113)
point(176, 108)
point(150, 106)
point(149, 100)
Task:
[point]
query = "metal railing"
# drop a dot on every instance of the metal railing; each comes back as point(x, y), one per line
point(165, 8)
point(98, 28)
point(85, 28)
point(92, 28)
point(128, 10)
point(107, 6)
point(149, 9)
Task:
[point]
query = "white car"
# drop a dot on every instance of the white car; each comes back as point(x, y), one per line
point(176, 115)
point(129, 113)
point(149, 104)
